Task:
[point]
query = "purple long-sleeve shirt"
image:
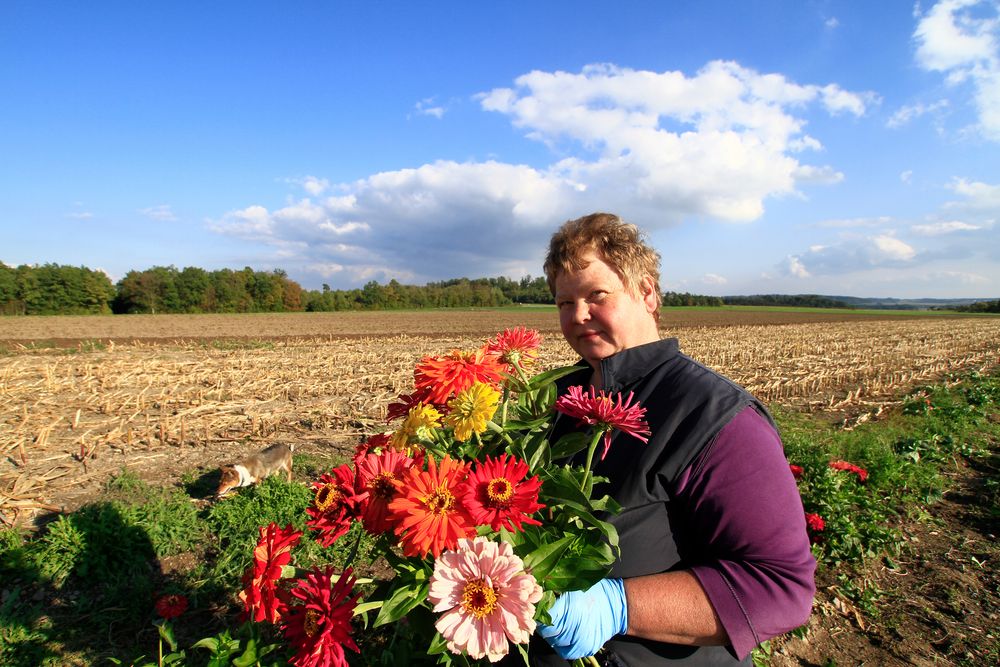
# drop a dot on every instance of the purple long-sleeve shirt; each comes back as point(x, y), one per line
point(742, 517)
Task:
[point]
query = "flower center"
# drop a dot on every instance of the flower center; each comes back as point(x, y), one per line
point(311, 623)
point(499, 492)
point(327, 496)
point(479, 598)
point(381, 485)
point(440, 502)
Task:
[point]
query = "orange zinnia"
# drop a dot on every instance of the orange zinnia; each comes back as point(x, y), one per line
point(428, 512)
point(440, 378)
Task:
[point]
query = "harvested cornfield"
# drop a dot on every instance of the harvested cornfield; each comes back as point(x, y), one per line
point(69, 418)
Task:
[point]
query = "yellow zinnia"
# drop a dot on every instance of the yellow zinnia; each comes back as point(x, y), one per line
point(471, 409)
point(419, 424)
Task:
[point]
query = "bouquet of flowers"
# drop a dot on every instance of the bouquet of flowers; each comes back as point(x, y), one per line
point(478, 513)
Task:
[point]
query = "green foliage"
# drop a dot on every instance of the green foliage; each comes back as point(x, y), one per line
point(905, 458)
point(54, 289)
point(236, 519)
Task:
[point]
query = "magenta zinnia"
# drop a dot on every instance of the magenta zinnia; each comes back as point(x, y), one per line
point(486, 597)
point(596, 408)
point(262, 599)
point(497, 494)
point(336, 504)
point(318, 621)
point(376, 475)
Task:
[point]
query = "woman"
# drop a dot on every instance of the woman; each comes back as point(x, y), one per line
point(715, 557)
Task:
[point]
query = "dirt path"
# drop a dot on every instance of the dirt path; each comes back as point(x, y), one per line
point(940, 599)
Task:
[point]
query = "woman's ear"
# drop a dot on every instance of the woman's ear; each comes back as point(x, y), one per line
point(648, 292)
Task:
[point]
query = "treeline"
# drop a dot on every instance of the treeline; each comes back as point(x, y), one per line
point(685, 299)
point(457, 293)
point(797, 300)
point(979, 307)
point(52, 289)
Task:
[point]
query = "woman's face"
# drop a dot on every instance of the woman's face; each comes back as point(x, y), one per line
point(599, 316)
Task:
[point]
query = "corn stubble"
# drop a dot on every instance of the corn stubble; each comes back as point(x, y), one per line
point(65, 418)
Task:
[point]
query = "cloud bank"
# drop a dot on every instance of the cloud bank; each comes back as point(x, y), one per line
point(961, 39)
point(656, 147)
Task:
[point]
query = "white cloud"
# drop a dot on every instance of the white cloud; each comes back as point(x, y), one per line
point(161, 212)
point(832, 23)
point(910, 112)
point(906, 176)
point(855, 253)
point(315, 186)
point(656, 147)
point(80, 215)
point(878, 221)
point(714, 279)
point(961, 39)
point(941, 228)
point(428, 107)
point(979, 197)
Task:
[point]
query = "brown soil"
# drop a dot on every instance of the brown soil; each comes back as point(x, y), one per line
point(938, 603)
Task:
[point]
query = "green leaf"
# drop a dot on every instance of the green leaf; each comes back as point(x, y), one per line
point(249, 656)
point(541, 561)
point(167, 634)
point(570, 444)
point(438, 645)
point(551, 376)
point(403, 600)
point(211, 643)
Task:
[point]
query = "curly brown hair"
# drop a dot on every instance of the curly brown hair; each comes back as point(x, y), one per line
point(620, 244)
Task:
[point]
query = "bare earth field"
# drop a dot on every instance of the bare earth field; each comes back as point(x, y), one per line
point(81, 398)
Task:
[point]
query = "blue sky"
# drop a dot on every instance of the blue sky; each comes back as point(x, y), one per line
point(768, 147)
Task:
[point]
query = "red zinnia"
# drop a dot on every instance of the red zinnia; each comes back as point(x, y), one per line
point(336, 504)
point(815, 524)
point(171, 606)
point(517, 345)
point(598, 409)
point(374, 444)
point(440, 378)
point(428, 513)
point(376, 474)
point(797, 471)
point(850, 467)
point(318, 625)
point(262, 599)
point(497, 494)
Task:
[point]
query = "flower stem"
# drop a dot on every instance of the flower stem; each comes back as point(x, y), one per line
point(590, 459)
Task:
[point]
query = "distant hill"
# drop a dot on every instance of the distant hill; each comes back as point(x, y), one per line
point(834, 301)
point(905, 304)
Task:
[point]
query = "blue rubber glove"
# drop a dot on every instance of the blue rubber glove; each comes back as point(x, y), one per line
point(582, 621)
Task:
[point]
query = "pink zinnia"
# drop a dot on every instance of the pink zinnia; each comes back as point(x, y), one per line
point(850, 467)
point(486, 597)
point(598, 409)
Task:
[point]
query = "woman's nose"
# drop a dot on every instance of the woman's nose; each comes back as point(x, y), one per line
point(581, 311)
